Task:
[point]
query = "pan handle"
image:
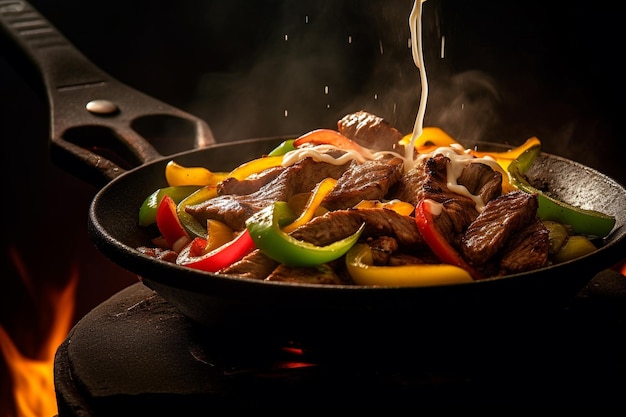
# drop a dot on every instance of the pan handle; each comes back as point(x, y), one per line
point(94, 118)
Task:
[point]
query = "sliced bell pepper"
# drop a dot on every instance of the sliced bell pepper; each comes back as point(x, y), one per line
point(218, 234)
point(359, 263)
point(332, 137)
point(582, 221)
point(193, 227)
point(399, 206)
point(283, 148)
point(176, 174)
point(219, 258)
point(169, 225)
point(255, 166)
point(265, 229)
point(434, 136)
point(148, 209)
point(504, 159)
point(322, 189)
point(436, 241)
point(574, 247)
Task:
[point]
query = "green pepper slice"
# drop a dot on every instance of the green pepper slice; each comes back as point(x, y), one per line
point(283, 148)
point(265, 229)
point(148, 209)
point(193, 227)
point(582, 221)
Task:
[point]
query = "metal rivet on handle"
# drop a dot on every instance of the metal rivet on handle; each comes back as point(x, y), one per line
point(101, 107)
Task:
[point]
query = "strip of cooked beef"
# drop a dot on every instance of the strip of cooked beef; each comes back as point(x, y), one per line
point(382, 248)
point(481, 180)
point(370, 180)
point(255, 265)
point(370, 131)
point(235, 209)
point(527, 249)
point(339, 224)
point(501, 218)
point(249, 185)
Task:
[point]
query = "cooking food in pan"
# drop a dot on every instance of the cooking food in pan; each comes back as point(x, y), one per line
point(362, 205)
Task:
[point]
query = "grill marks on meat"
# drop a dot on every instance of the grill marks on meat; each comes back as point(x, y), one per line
point(526, 250)
point(502, 220)
point(234, 209)
point(481, 180)
point(370, 131)
point(370, 180)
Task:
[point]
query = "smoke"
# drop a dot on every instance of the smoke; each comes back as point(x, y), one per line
point(466, 105)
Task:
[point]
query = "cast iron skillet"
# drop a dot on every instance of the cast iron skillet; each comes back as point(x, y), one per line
point(310, 313)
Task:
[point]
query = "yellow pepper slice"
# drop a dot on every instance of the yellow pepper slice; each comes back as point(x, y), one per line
point(505, 158)
point(575, 247)
point(255, 166)
point(176, 175)
point(322, 189)
point(359, 263)
point(430, 135)
point(399, 206)
point(218, 234)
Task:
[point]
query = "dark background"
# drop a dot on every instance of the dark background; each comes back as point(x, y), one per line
point(511, 70)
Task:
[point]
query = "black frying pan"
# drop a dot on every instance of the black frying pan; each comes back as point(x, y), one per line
point(103, 146)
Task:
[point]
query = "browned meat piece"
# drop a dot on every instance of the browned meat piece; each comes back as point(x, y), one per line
point(382, 248)
point(234, 209)
point(428, 180)
point(481, 180)
point(496, 224)
point(255, 265)
point(370, 180)
point(339, 224)
point(166, 255)
point(320, 274)
point(249, 185)
point(456, 216)
point(526, 250)
point(370, 131)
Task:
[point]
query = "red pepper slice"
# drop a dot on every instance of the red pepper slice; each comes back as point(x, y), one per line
point(331, 137)
point(219, 258)
point(169, 224)
point(436, 241)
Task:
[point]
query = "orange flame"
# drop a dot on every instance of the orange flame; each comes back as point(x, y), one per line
point(32, 378)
